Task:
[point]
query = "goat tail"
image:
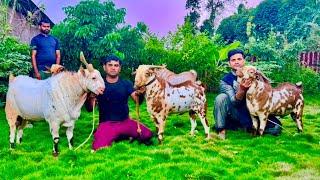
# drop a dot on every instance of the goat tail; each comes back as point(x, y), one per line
point(194, 72)
point(204, 86)
point(11, 77)
point(299, 85)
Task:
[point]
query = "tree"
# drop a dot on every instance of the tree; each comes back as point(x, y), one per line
point(184, 50)
point(213, 7)
point(288, 17)
point(90, 27)
point(14, 55)
point(193, 6)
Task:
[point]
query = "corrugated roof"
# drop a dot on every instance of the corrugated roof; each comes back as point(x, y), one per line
point(28, 5)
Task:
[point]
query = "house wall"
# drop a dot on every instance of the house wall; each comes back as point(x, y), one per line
point(22, 29)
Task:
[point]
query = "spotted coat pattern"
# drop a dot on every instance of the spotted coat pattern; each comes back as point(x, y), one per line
point(164, 98)
point(263, 100)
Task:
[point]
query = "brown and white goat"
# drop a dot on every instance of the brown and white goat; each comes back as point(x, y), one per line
point(263, 100)
point(164, 98)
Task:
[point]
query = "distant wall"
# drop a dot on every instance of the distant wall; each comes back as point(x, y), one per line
point(22, 29)
point(310, 59)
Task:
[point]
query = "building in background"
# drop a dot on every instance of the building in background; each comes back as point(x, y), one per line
point(24, 19)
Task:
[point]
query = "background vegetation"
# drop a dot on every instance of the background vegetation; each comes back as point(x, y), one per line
point(273, 34)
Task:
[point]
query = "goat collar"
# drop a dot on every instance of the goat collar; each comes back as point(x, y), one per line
point(150, 82)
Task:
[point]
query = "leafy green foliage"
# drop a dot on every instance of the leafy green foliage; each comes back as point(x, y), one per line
point(14, 56)
point(97, 29)
point(240, 156)
point(279, 61)
point(91, 27)
point(184, 50)
point(289, 17)
point(234, 28)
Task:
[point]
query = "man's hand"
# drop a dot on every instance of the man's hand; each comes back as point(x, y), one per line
point(140, 91)
point(37, 75)
point(245, 84)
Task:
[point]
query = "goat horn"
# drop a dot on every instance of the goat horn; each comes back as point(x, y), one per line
point(84, 61)
point(154, 66)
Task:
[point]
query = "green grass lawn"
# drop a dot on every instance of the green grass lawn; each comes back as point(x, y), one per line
point(240, 156)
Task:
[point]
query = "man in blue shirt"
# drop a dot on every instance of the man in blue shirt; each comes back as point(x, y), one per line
point(230, 109)
point(114, 120)
point(45, 51)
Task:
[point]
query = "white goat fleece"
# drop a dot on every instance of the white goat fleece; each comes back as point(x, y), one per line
point(57, 99)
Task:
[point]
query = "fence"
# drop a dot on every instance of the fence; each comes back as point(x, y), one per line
point(311, 59)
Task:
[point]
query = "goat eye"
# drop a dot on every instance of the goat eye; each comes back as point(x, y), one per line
point(94, 78)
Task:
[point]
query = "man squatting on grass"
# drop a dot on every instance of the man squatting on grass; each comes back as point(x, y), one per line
point(230, 109)
point(114, 121)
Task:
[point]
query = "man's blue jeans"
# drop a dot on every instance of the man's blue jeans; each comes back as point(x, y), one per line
point(229, 116)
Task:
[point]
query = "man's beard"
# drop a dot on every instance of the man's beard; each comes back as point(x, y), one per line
point(45, 31)
point(113, 75)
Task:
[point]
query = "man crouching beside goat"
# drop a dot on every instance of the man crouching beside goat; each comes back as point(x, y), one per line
point(230, 110)
point(263, 100)
point(114, 121)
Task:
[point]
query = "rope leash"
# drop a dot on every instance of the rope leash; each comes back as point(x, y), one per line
point(282, 127)
point(138, 118)
point(91, 129)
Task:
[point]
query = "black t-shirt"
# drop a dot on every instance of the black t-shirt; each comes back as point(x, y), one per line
point(46, 47)
point(113, 103)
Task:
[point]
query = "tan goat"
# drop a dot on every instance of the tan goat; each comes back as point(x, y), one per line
point(263, 100)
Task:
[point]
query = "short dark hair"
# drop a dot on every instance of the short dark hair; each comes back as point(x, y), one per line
point(235, 51)
point(44, 21)
point(109, 58)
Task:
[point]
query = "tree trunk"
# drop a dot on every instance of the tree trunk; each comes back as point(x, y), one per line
point(13, 10)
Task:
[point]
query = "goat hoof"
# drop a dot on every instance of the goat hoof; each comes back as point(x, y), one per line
point(12, 146)
point(160, 141)
point(260, 132)
point(208, 137)
point(55, 154)
point(19, 141)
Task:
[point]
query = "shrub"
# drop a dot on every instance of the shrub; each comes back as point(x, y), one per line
point(15, 59)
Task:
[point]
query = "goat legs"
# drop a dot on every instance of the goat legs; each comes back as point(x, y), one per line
point(205, 125)
point(193, 122)
point(20, 127)
point(69, 133)
point(160, 123)
point(255, 125)
point(12, 121)
point(263, 122)
point(54, 129)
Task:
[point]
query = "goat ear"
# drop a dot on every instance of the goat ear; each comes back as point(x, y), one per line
point(239, 73)
point(150, 71)
point(260, 76)
point(81, 70)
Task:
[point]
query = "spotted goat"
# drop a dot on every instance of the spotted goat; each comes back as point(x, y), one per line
point(263, 100)
point(163, 97)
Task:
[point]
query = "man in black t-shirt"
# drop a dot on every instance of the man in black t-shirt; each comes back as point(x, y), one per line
point(45, 51)
point(114, 120)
